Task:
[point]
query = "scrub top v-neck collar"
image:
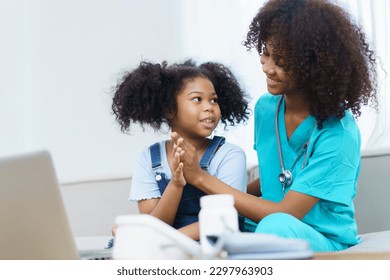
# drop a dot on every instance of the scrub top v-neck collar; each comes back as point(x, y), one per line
point(300, 136)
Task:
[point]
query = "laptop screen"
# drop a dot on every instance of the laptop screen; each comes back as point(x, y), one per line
point(33, 221)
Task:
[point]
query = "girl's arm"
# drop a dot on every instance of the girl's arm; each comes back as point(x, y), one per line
point(248, 205)
point(191, 230)
point(165, 208)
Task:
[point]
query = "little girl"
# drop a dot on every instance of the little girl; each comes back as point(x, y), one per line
point(191, 100)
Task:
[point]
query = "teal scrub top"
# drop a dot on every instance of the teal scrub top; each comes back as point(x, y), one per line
point(328, 169)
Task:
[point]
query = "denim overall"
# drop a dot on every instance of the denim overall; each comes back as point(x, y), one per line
point(189, 205)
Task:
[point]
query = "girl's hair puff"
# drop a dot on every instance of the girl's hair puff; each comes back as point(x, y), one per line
point(147, 95)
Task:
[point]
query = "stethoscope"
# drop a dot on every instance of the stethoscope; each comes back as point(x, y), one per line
point(286, 177)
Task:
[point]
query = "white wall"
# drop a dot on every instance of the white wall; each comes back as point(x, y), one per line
point(12, 76)
point(62, 58)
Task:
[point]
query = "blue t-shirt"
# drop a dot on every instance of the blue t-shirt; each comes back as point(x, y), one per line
point(328, 170)
point(228, 165)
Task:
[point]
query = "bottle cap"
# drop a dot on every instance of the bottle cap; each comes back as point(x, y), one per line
point(216, 200)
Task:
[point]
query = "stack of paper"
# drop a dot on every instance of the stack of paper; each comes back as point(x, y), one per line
point(263, 246)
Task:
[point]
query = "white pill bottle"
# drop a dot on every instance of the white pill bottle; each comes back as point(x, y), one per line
point(216, 217)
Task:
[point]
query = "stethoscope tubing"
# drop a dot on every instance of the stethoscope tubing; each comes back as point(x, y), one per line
point(286, 176)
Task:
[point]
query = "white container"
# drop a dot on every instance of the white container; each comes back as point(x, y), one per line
point(217, 217)
point(144, 237)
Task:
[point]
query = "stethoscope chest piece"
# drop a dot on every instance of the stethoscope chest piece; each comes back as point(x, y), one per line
point(285, 178)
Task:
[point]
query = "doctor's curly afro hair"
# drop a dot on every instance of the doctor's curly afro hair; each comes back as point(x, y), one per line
point(324, 51)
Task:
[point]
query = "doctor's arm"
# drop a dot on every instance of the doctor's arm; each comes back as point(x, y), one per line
point(248, 205)
point(253, 188)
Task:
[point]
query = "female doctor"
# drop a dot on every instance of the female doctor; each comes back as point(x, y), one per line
point(319, 72)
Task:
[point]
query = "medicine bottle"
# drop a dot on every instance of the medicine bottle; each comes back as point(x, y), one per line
point(217, 217)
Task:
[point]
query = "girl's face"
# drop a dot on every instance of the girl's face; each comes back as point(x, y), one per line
point(278, 80)
point(198, 112)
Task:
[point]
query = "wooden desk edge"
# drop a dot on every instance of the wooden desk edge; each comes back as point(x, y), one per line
point(352, 256)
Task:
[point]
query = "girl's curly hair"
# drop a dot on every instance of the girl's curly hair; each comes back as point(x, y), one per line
point(147, 94)
point(324, 51)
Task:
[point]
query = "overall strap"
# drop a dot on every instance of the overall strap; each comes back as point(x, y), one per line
point(216, 142)
point(155, 155)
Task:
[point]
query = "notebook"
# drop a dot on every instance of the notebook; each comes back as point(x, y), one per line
point(33, 221)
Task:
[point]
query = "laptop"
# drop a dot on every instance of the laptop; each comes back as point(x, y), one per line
point(33, 221)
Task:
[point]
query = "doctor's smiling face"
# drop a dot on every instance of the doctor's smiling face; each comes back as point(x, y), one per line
point(278, 80)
